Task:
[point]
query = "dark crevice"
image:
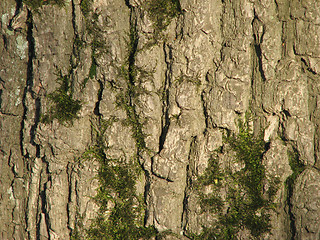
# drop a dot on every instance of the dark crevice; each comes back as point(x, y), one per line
point(267, 147)
point(29, 81)
point(42, 200)
point(277, 6)
point(76, 40)
point(165, 121)
point(146, 194)
point(29, 85)
point(164, 130)
point(259, 55)
point(18, 6)
point(18, 10)
point(134, 40)
point(184, 217)
point(31, 51)
point(286, 113)
point(297, 168)
point(294, 161)
point(128, 4)
point(284, 39)
point(70, 192)
point(205, 110)
point(258, 33)
point(5, 42)
point(131, 88)
point(35, 126)
point(307, 67)
point(43, 193)
point(190, 173)
point(291, 216)
point(74, 18)
point(161, 177)
point(1, 91)
point(96, 110)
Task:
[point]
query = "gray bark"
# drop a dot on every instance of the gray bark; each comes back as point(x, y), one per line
point(208, 67)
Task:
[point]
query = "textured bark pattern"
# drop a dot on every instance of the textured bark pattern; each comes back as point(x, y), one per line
point(213, 62)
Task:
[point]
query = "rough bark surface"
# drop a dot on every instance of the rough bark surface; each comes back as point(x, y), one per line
point(214, 61)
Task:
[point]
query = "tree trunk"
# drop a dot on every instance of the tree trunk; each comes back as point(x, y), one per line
point(156, 85)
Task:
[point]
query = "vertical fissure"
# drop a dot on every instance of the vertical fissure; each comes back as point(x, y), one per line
point(33, 130)
point(70, 192)
point(205, 111)
point(258, 33)
point(258, 78)
point(44, 179)
point(96, 110)
point(297, 168)
point(187, 191)
point(165, 121)
point(131, 85)
point(29, 81)
point(290, 213)
point(131, 109)
point(259, 56)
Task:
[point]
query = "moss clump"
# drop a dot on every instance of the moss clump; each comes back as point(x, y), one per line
point(212, 177)
point(128, 99)
point(85, 7)
point(249, 150)
point(35, 4)
point(92, 72)
point(123, 101)
point(162, 12)
point(121, 212)
point(64, 108)
point(246, 205)
point(124, 220)
point(295, 163)
point(297, 167)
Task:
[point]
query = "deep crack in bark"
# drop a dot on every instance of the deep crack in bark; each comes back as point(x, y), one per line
point(29, 81)
point(165, 120)
point(189, 175)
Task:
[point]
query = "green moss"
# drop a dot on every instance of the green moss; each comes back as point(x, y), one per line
point(122, 210)
point(77, 232)
point(162, 12)
point(128, 99)
point(249, 150)
point(35, 4)
point(85, 7)
point(116, 195)
point(93, 69)
point(123, 101)
point(294, 161)
point(98, 44)
point(297, 167)
point(248, 206)
point(63, 108)
point(212, 177)
point(78, 42)
point(92, 72)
